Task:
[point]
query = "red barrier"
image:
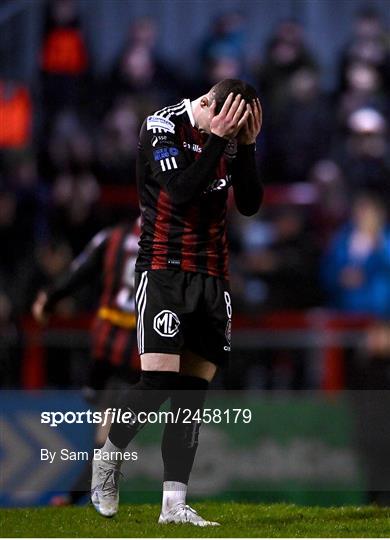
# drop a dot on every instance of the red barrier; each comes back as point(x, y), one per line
point(321, 321)
point(33, 362)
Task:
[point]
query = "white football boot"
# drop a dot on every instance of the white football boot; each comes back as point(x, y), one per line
point(182, 513)
point(105, 486)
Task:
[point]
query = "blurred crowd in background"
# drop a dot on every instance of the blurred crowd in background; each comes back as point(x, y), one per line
point(68, 144)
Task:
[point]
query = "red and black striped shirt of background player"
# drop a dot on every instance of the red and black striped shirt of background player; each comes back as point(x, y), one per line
point(110, 254)
point(191, 237)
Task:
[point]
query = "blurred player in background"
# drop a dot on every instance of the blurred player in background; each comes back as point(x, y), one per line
point(189, 155)
point(111, 254)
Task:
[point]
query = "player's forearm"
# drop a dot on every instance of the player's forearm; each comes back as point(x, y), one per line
point(62, 288)
point(84, 268)
point(67, 285)
point(77, 276)
point(247, 186)
point(186, 185)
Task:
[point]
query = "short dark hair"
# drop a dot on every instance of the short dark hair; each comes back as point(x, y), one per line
point(222, 89)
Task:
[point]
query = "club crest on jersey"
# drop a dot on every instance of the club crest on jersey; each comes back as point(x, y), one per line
point(158, 122)
point(163, 153)
point(166, 323)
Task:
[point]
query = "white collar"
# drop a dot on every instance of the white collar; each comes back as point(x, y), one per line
point(187, 104)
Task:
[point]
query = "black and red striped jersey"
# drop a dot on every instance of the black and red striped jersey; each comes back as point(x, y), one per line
point(179, 233)
point(113, 335)
point(111, 254)
point(120, 246)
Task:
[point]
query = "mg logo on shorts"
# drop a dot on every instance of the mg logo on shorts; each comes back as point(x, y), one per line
point(166, 323)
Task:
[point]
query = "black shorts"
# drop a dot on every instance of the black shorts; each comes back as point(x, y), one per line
point(179, 310)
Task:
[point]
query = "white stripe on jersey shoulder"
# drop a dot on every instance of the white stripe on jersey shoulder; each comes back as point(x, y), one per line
point(160, 111)
point(159, 122)
point(166, 110)
point(174, 110)
point(177, 113)
point(183, 107)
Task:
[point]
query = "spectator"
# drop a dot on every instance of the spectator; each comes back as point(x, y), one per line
point(70, 148)
point(332, 200)
point(223, 47)
point(301, 134)
point(364, 154)
point(10, 337)
point(286, 53)
point(31, 200)
point(368, 45)
point(9, 239)
point(356, 267)
point(64, 61)
point(16, 115)
point(141, 73)
point(280, 261)
point(226, 38)
point(363, 89)
point(217, 69)
point(117, 145)
point(73, 213)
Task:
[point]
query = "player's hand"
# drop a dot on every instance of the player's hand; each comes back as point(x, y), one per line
point(232, 117)
point(252, 127)
point(38, 308)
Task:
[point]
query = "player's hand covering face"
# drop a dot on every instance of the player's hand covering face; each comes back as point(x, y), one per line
point(231, 119)
point(252, 126)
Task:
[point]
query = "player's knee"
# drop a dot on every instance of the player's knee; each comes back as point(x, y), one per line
point(193, 365)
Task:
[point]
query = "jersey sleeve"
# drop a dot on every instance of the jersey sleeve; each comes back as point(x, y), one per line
point(162, 148)
point(247, 185)
point(169, 165)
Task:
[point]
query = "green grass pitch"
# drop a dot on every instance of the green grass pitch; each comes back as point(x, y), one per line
point(237, 520)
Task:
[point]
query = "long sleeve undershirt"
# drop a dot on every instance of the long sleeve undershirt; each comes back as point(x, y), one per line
point(185, 182)
point(247, 186)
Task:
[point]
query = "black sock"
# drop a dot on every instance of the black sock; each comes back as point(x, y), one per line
point(180, 440)
point(146, 396)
